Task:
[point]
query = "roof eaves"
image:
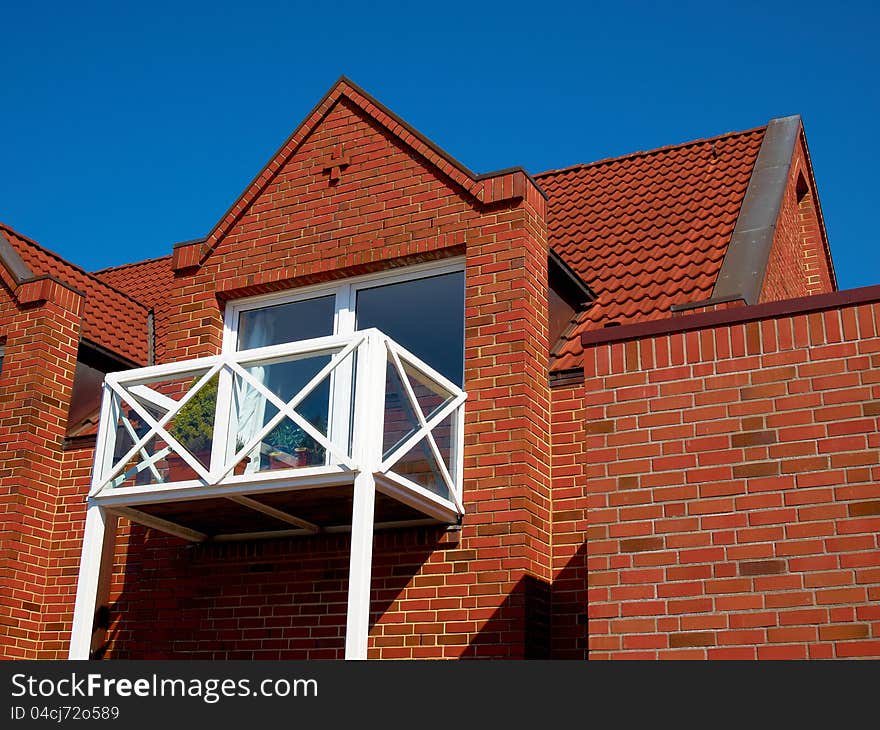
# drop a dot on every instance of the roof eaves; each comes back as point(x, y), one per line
point(569, 278)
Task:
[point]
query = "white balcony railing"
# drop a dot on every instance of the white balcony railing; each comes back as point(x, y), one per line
point(317, 411)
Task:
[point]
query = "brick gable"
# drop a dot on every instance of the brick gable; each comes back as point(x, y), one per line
point(800, 261)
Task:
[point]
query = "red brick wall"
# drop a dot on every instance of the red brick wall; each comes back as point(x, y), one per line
point(64, 555)
point(733, 489)
point(35, 386)
point(813, 247)
point(569, 592)
point(799, 263)
point(283, 599)
point(652, 460)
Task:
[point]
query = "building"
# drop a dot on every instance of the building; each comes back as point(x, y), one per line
point(391, 408)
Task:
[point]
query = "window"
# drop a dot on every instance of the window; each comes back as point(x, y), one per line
point(424, 315)
point(421, 308)
point(2, 353)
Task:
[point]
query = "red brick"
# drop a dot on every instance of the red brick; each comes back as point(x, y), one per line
point(852, 649)
point(695, 638)
point(844, 632)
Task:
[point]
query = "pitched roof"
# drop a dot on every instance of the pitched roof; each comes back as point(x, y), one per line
point(152, 283)
point(148, 281)
point(644, 231)
point(112, 319)
point(647, 230)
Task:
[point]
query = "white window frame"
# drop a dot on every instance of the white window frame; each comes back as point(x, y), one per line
point(344, 322)
point(345, 291)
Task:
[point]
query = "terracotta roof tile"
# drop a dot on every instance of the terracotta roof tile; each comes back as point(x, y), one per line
point(112, 319)
point(150, 282)
point(648, 230)
point(147, 281)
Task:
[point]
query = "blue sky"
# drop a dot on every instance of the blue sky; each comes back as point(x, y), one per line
point(126, 128)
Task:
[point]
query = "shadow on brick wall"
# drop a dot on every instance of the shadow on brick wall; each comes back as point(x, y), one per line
point(519, 628)
point(270, 599)
point(569, 629)
point(538, 620)
point(287, 599)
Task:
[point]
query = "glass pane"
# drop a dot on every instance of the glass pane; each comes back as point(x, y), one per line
point(154, 462)
point(400, 421)
point(430, 396)
point(282, 323)
point(286, 445)
point(420, 466)
point(193, 425)
point(443, 436)
point(426, 316)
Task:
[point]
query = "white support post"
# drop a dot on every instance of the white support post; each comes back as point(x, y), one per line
point(93, 585)
point(369, 407)
point(357, 623)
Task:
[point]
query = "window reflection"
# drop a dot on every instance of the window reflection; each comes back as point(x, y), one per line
point(426, 316)
point(289, 322)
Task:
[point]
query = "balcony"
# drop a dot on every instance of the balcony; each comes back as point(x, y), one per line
point(267, 441)
point(348, 432)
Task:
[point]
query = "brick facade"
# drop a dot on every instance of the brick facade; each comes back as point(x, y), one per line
point(41, 327)
point(570, 524)
point(732, 487)
point(395, 204)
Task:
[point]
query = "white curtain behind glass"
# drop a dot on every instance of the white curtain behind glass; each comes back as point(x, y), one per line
point(250, 404)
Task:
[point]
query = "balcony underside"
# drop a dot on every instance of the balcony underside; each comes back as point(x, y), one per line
point(291, 509)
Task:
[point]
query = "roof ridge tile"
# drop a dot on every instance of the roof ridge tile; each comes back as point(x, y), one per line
point(119, 267)
point(646, 153)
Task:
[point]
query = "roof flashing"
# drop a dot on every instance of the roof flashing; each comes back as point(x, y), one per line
point(745, 263)
point(13, 262)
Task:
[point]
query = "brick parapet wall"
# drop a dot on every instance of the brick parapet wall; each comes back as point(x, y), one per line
point(733, 485)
